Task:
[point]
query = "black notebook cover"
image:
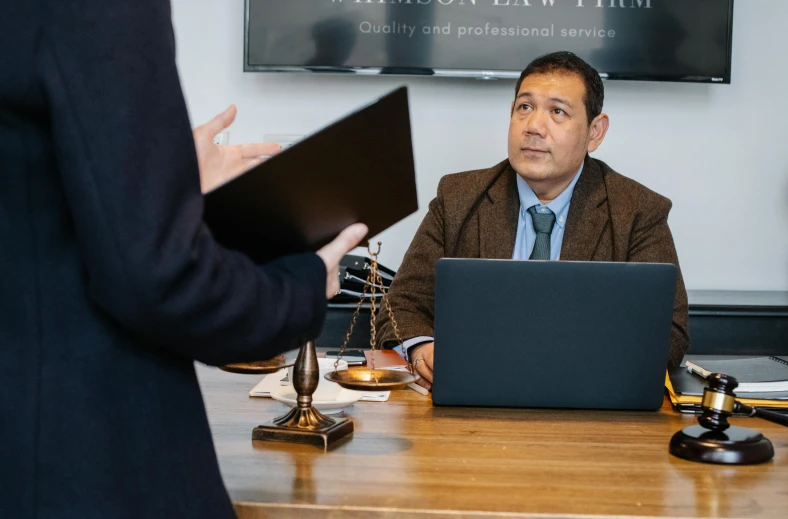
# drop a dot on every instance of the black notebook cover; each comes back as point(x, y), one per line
point(358, 169)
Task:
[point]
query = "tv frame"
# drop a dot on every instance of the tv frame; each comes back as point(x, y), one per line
point(478, 73)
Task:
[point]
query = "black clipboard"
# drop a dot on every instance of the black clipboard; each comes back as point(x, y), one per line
point(358, 169)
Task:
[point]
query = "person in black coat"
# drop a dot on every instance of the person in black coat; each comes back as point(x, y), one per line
point(111, 286)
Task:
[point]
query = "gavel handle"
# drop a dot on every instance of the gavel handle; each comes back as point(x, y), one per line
point(766, 415)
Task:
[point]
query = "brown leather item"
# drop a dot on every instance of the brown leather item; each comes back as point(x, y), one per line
point(475, 215)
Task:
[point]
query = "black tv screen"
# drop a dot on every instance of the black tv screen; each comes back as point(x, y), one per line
point(662, 40)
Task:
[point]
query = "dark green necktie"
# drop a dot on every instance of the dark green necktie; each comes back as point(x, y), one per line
point(543, 225)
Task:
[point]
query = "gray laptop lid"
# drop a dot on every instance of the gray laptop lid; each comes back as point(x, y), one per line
point(552, 333)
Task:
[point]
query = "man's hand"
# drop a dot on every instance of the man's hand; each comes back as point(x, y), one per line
point(332, 253)
point(421, 357)
point(218, 164)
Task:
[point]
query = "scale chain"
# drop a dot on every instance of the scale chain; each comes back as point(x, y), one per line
point(374, 281)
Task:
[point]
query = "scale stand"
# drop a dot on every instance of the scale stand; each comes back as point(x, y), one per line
point(372, 379)
point(303, 423)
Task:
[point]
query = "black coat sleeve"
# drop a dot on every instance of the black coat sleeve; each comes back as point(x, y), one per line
point(127, 162)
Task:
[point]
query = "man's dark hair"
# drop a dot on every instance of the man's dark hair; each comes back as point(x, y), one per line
point(568, 63)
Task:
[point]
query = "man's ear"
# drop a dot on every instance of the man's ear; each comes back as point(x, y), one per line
point(597, 132)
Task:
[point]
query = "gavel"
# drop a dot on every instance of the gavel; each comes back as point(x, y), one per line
point(715, 440)
point(719, 402)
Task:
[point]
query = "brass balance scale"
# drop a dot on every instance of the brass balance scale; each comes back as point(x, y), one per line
point(305, 424)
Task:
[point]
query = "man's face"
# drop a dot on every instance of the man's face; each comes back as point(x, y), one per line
point(548, 130)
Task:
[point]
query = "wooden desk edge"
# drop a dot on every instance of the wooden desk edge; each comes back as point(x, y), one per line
point(252, 510)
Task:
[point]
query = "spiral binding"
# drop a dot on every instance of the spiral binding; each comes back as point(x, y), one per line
point(777, 359)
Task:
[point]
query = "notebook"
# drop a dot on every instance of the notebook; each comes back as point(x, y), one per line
point(755, 375)
point(358, 169)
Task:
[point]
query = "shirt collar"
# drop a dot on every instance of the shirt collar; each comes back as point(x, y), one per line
point(559, 206)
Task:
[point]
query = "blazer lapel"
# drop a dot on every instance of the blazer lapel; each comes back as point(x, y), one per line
point(498, 215)
point(587, 215)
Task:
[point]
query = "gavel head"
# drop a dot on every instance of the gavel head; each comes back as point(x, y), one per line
point(718, 402)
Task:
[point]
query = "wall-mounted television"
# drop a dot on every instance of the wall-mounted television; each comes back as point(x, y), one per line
point(656, 40)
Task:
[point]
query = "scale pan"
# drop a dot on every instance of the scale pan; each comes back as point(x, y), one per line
point(367, 379)
point(258, 367)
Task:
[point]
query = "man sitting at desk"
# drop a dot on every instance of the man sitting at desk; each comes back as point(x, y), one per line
point(549, 200)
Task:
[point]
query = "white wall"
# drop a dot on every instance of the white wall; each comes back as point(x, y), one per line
point(720, 152)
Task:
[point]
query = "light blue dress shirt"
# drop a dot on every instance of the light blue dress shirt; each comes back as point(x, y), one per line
point(526, 236)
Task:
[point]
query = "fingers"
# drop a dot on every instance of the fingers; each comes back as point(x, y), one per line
point(251, 156)
point(423, 383)
point(347, 240)
point(259, 149)
point(210, 129)
point(332, 286)
point(422, 356)
point(350, 238)
point(332, 253)
point(423, 370)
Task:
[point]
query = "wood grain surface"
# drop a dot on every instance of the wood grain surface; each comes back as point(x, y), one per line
point(410, 459)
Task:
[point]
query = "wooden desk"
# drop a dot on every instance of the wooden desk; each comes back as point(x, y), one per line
point(410, 459)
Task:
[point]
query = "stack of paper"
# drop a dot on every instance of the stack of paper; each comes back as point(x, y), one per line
point(269, 382)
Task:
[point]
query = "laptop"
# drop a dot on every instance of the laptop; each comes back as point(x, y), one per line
point(358, 169)
point(558, 334)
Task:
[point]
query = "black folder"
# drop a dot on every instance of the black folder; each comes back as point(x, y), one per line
point(358, 169)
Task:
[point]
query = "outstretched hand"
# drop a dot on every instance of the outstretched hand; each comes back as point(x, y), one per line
point(220, 163)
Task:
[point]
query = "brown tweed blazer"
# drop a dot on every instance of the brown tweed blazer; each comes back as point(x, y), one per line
point(611, 218)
